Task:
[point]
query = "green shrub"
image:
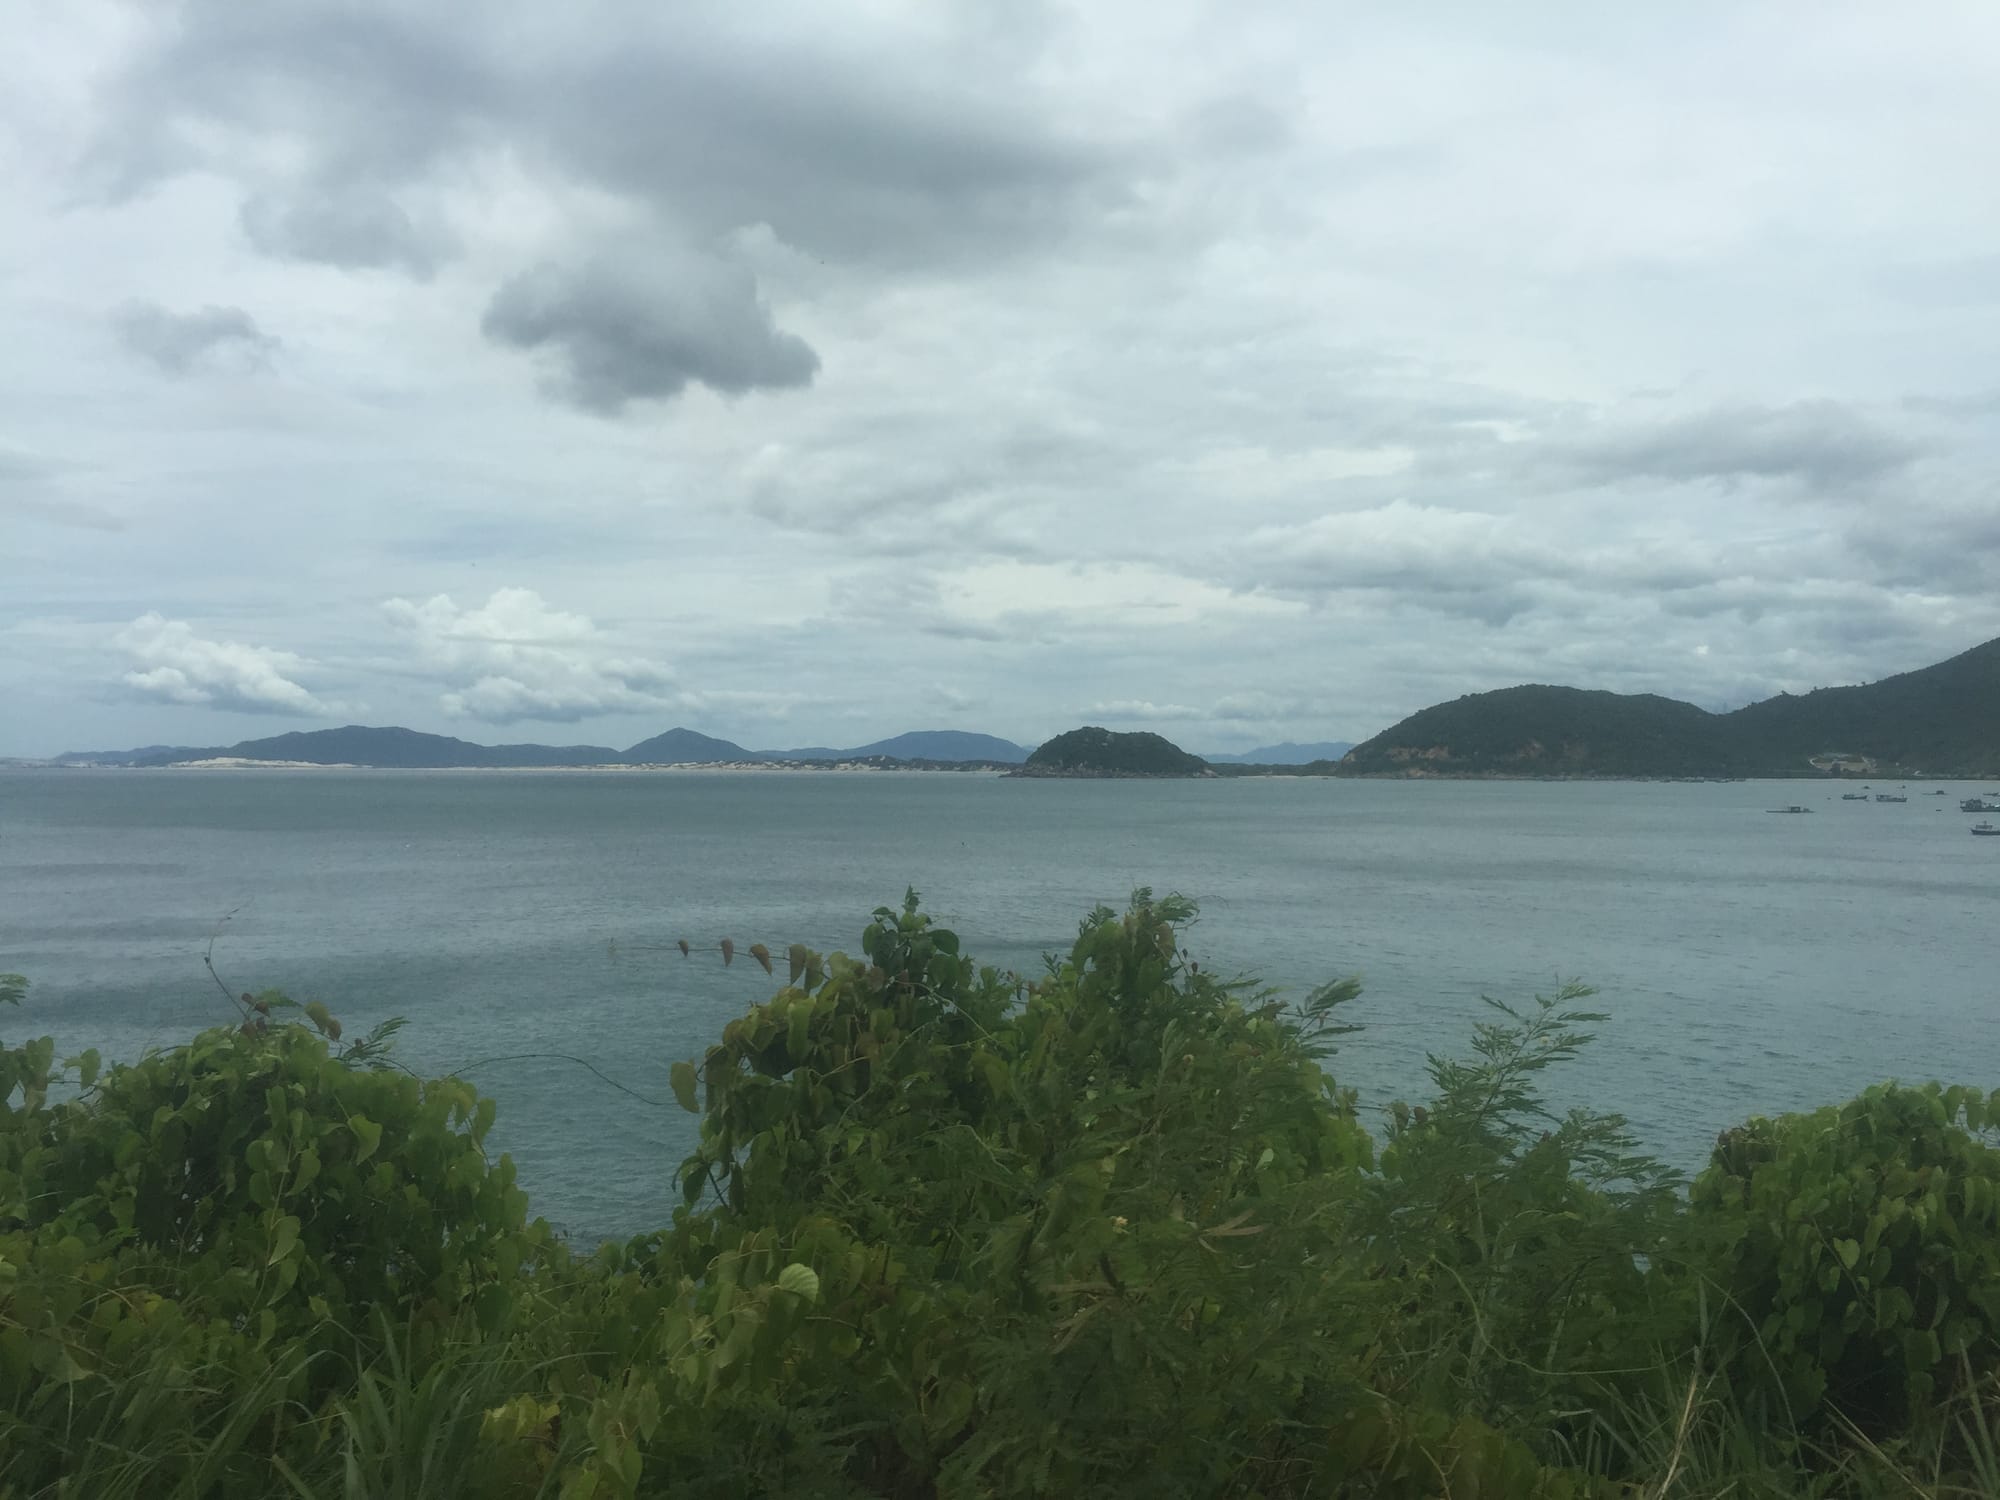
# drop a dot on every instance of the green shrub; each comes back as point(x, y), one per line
point(247, 1211)
point(947, 1232)
point(1856, 1252)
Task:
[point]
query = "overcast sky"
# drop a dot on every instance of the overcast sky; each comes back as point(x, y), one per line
point(805, 374)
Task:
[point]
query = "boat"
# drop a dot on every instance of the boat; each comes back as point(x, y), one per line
point(1938, 793)
point(1794, 808)
point(1978, 804)
point(1853, 796)
point(1986, 830)
point(1889, 797)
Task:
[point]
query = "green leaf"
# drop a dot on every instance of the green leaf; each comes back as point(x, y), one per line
point(682, 1077)
point(1850, 1252)
point(284, 1241)
point(801, 1281)
point(368, 1134)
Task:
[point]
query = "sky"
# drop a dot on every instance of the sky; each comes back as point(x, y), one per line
point(810, 373)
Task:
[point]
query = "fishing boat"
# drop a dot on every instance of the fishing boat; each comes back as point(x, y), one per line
point(1986, 830)
point(1794, 808)
point(1853, 796)
point(1978, 804)
point(1889, 797)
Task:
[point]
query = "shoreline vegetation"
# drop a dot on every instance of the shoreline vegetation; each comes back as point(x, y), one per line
point(1940, 722)
point(1116, 1230)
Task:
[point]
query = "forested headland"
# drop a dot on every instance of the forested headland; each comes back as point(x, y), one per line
point(1940, 720)
point(1114, 1229)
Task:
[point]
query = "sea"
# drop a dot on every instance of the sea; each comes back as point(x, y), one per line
point(527, 924)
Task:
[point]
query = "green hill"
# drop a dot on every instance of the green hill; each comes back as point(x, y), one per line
point(1550, 731)
point(1941, 720)
point(1944, 719)
point(685, 747)
point(1091, 751)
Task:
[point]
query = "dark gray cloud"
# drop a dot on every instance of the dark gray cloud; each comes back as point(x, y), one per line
point(837, 154)
point(1828, 445)
point(832, 135)
point(177, 343)
point(354, 226)
point(355, 93)
point(645, 327)
point(1953, 546)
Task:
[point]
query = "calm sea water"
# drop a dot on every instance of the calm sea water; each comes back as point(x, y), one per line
point(1751, 963)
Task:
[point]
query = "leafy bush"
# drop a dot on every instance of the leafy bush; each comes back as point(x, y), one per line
point(1857, 1251)
point(948, 1232)
point(251, 1207)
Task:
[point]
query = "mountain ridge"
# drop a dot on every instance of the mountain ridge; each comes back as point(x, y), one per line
point(1939, 720)
point(394, 747)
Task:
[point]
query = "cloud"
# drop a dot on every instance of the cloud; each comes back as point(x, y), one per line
point(353, 226)
point(1095, 353)
point(178, 343)
point(1827, 445)
point(925, 159)
point(515, 658)
point(644, 327)
point(1456, 562)
point(177, 666)
point(1144, 710)
point(29, 489)
point(1976, 406)
point(876, 138)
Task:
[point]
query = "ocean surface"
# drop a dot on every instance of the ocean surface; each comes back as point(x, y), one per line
point(1751, 963)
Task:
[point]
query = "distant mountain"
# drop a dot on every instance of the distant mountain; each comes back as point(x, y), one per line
point(1942, 720)
point(394, 747)
point(946, 744)
point(685, 747)
point(1287, 754)
point(1092, 751)
point(923, 744)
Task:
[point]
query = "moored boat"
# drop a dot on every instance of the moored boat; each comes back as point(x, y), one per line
point(1986, 830)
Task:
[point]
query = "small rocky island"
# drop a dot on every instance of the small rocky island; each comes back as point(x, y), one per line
point(1094, 752)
